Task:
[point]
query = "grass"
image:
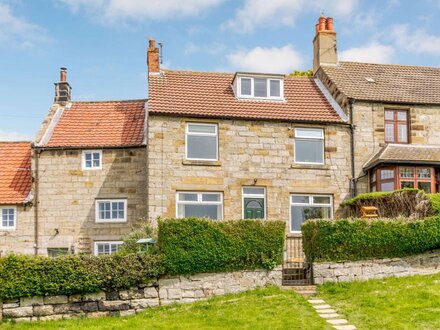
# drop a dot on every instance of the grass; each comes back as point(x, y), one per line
point(267, 308)
point(394, 303)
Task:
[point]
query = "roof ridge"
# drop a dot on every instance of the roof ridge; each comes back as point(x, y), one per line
point(391, 64)
point(110, 101)
point(20, 141)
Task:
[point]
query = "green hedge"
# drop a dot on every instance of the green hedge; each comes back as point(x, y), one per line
point(409, 203)
point(23, 276)
point(199, 245)
point(340, 240)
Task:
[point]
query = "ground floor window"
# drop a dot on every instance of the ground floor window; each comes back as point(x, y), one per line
point(107, 247)
point(199, 205)
point(56, 252)
point(399, 177)
point(305, 207)
point(254, 203)
point(8, 217)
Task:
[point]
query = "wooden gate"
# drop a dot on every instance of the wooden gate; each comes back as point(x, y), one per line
point(296, 270)
point(294, 250)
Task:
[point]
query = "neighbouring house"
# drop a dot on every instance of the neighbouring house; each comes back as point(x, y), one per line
point(244, 145)
point(16, 208)
point(394, 112)
point(90, 175)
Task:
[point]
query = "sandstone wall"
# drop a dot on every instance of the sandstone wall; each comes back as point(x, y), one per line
point(67, 196)
point(423, 264)
point(258, 152)
point(180, 289)
point(20, 239)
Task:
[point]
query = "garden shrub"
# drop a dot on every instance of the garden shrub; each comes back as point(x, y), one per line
point(145, 230)
point(199, 245)
point(408, 203)
point(359, 239)
point(23, 276)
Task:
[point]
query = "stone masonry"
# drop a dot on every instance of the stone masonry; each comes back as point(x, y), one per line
point(180, 289)
point(67, 197)
point(427, 263)
point(257, 153)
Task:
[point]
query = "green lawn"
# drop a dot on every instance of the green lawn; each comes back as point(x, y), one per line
point(268, 308)
point(394, 303)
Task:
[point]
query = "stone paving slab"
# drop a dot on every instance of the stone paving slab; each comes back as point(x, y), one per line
point(322, 306)
point(316, 301)
point(344, 327)
point(337, 321)
point(326, 311)
point(329, 316)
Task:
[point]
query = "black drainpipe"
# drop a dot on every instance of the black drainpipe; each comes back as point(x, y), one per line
point(353, 187)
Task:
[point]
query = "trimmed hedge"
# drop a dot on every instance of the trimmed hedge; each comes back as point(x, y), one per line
point(199, 245)
point(359, 239)
point(24, 276)
point(409, 203)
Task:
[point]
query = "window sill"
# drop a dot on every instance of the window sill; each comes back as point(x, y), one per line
point(310, 166)
point(202, 162)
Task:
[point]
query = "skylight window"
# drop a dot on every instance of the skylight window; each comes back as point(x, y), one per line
point(259, 87)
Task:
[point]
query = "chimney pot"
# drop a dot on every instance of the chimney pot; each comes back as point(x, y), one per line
point(329, 24)
point(316, 27)
point(321, 23)
point(63, 74)
point(151, 44)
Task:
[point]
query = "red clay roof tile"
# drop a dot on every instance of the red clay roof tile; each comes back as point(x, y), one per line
point(100, 124)
point(15, 172)
point(205, 94)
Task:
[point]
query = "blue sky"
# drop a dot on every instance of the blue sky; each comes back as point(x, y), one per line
point(103, 43)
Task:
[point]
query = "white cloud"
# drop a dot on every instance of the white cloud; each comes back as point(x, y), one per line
point(256, 13)
point(372, 53)
point(13, 136)
point(111, 11)
point(17, 32)
point(271, 60)
point(415, 41)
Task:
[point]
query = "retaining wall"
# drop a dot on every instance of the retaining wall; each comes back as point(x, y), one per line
point(422, 264)
point(179, 289)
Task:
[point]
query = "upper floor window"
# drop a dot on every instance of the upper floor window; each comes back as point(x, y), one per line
point(111, 210)
point(9, 217)
point(260, 87)
point(396, 126)
point(201, 141)
point(92, 159)
point(309, 146)
point(200, 205)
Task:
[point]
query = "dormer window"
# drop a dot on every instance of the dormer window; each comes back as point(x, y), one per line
point(259, 87)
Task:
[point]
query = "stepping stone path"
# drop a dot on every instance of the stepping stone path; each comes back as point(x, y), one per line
point(327, 312)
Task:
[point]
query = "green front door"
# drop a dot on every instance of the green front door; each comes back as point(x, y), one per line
point(254, 208)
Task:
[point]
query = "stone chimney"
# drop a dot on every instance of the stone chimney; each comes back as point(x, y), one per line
point(153, 58)
point(324, 44)
point(63, 91)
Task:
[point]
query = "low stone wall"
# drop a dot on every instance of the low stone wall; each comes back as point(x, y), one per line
point(179, 289)
point(422, 264)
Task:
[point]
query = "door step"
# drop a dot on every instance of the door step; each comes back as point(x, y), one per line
point(304, 290)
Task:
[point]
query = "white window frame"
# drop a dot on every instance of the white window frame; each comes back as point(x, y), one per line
point(84, 160)
point(98, 220)
point(310, 203)
point(96, 243)
point(252, 96)
point(215, 125)
point(305, 138)
point(245, 195)
point(15, 217)
point(199, 200)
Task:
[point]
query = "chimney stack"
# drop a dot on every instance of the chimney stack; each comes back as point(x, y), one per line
point(63, 91)
point(153, 58)
point(324, 44)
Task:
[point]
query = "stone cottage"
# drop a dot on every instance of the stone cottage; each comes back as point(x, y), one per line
point(244, 145)
point(16, 209)
point(89, 174)
point(393, 111)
